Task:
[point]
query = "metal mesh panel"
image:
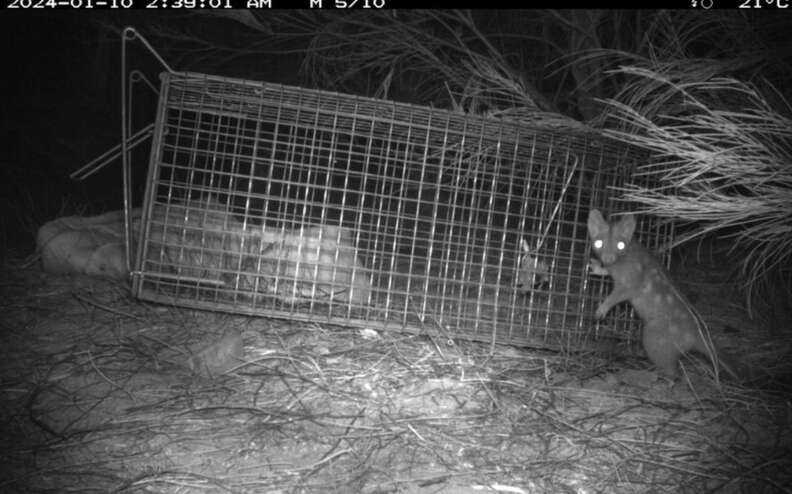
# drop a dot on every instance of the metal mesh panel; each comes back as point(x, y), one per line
point(278, 201)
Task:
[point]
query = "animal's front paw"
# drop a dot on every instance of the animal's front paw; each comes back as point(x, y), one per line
point(601, 311)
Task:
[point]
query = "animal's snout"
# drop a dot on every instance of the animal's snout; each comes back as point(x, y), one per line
point(607, 258)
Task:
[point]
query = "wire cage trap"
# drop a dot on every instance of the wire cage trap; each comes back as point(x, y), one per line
point(270, 200)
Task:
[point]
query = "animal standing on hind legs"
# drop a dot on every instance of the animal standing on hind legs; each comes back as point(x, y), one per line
point(670, 325)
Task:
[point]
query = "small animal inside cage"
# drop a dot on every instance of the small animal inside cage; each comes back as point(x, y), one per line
point(532, 273)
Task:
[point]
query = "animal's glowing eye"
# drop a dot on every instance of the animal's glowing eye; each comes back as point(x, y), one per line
point(598, 244)
point(621, 245)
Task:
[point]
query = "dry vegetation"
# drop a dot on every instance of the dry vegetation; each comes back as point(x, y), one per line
point(98, 398)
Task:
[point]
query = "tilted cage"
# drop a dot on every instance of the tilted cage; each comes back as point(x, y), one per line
point(270, 200)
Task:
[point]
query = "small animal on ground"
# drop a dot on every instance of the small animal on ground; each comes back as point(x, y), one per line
point(670, 325)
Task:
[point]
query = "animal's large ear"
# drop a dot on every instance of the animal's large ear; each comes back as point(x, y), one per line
point(596, 223)
point(625, 227)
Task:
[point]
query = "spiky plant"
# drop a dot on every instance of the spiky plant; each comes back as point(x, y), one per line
point(722, 161)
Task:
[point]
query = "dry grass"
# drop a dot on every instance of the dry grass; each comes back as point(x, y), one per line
point(721, 162)
point(96, 398)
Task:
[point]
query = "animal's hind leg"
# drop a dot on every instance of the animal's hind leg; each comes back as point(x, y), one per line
point(661, 350)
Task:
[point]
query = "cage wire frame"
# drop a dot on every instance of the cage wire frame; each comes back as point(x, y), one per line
point(270, 200)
